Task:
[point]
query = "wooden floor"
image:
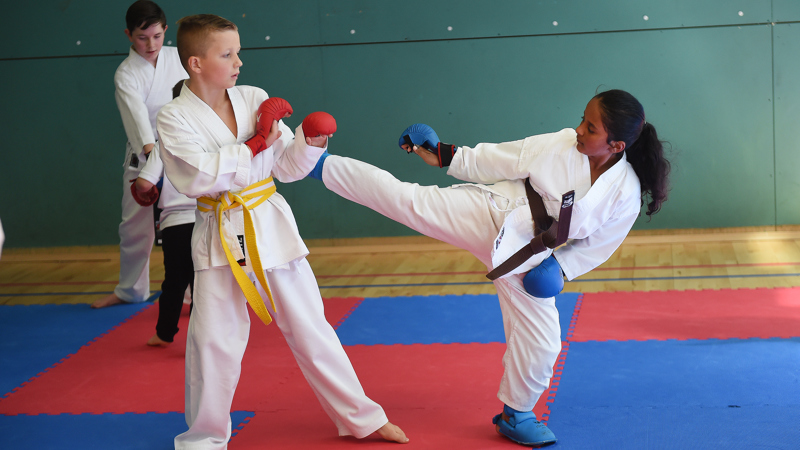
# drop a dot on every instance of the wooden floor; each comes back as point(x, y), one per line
point(662, 260)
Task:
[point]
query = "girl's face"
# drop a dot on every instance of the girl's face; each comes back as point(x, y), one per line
point(592, 135)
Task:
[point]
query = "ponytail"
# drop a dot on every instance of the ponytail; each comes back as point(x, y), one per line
point(646, 155)
point(624, 120)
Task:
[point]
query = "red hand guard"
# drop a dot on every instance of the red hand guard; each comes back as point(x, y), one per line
point(319, 123)
point(273, 108)
point(144, 199)
point(257, 144)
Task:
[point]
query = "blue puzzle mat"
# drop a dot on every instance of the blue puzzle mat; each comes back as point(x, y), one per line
point(713, 373)
point(446, 319)
point(677, 427)
point(128, 431)
point(733, 393)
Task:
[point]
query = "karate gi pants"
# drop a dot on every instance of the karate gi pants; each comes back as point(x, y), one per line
point(470, 218)
point(136, 236)
point(219, 328)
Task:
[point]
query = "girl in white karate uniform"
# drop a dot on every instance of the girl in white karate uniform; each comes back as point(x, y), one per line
point(613, 161)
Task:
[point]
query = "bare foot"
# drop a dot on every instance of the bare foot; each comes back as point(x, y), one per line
point(156, 341)
point(392, 432)
point(111, 300)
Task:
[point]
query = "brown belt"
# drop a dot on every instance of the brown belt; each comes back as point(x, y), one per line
point(547, 232)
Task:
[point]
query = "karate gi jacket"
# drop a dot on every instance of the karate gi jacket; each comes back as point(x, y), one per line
point(602, 215)
point(202, 157)
point(176, 208)
point(141, 91)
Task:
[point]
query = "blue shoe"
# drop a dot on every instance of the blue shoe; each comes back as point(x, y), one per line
point(523, 428)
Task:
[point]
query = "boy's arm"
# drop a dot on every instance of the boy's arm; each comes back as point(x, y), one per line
point(153, 168)
point(294, 158)
point(135, 118)
point(192, 166)
point(144, 188)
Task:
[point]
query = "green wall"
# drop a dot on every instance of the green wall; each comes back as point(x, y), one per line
point(723, 88)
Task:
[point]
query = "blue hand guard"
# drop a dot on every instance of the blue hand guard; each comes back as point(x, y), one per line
point(421, 135)
point(544, 280)
point(316, 172)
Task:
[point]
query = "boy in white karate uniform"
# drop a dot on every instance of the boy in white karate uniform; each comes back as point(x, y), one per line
point(144, 84)
point(217, 150)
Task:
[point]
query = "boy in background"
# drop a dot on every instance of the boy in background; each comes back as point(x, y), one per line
point(143, 83)
point(217, 149)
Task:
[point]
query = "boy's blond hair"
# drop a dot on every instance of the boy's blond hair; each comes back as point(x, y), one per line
point(193, 33)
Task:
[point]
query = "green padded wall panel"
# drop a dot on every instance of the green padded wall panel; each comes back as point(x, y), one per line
point(705, 90)
point(63, 152)
point(98, 25)
point(787, 123)
point(381, 21)
point(785, 10)
point(705, 74)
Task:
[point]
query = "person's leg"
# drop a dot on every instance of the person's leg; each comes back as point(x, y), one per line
point(136, 235)
point(319, 352)
point(178, 275)
point(533, 343)
point(467, 218)
point(219, 328)
point(461, 216)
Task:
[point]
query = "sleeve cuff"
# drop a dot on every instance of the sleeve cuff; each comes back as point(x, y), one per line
point(564, 266)
point(149, 177)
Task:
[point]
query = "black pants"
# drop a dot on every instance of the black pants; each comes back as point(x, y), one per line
point(178, 274)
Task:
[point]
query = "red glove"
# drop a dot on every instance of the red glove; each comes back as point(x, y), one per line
point(273, 108)
point(146, 198)
point(319, 123)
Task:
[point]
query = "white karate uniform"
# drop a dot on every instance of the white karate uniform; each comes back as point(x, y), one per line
point(141, 91)
point(202, 157)
point(480, 218)
point(176, 208)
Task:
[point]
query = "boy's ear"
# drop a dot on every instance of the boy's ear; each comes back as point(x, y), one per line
point(194, 64)
point(128, 33)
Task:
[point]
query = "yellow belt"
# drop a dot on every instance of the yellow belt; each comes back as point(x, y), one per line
point(249, 198)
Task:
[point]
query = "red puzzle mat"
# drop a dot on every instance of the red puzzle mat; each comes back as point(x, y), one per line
point(708, 314)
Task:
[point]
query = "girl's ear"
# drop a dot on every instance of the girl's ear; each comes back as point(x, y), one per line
point(617, 146)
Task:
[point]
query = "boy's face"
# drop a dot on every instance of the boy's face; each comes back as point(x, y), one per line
point(219, 67)
point(148, 42)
